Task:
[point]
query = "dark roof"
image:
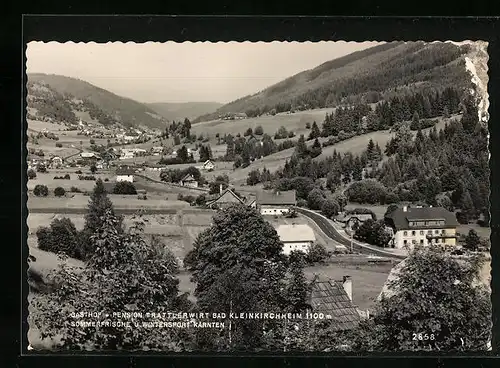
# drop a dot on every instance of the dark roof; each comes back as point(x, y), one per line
point(277, 197)
point(124, 171)
point(227, 191)
point(400, 219)
point(360, 217)
point(329, 297)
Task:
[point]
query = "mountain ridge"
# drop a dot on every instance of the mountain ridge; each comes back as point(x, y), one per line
point(366, 74)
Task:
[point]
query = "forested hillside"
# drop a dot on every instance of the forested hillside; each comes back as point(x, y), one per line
point(364, 76)
point(51, 91)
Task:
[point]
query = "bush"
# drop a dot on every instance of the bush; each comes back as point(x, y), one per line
point(75, 190)
point(259, 130)
point(41, 168)
point(186, 198)
point(31, 174)
point(200, 200)
point(124, 187)
point(308, 125)
point(41, 190)
point(86, 177)
point(78, 172)
point(59, 145)
point(60, 237)
point(106, 179)
point(59, 192)
point(301, 202)
point(316, 199)
point(330, 208)
point(317, 254)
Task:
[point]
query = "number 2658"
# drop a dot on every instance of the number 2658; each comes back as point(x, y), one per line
point(423, 337)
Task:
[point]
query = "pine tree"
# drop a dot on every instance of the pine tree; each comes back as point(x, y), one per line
point(315, 149)
point(472, 240)
point(99, 205)
point(370, 150)
point(315, 132)
point(301, 150)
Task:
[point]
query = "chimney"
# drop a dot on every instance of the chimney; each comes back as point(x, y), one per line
point(347, 284)
point(220, 189)
point(405, 208)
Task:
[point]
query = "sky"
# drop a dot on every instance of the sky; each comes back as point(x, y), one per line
point(183, 72)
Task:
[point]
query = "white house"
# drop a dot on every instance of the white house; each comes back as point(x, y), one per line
point(421, 225)
point(208, 165)
point(299, 237)
point(275, 202)
point(88, 155)
point(123, 174)
point(56, 162)
point(189, 181)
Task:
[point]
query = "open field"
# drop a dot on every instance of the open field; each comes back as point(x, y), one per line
point(483, 232)
point(38, 126)
point(295, 122)
point(80, 201)
point(48, 180)
point(48, 146)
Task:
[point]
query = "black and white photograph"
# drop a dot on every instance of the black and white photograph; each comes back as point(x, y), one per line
point(258, 197)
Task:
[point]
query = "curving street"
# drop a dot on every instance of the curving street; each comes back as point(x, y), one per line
point(332, 233)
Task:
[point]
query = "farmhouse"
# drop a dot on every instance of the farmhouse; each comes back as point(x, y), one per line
point(352, 221)
point(88, 155)
point(224, 199)
point(275, 202)
point(56, 162)
point(157, 151)
point(422, 225)
point(189, 181)
point(208, 165)
point(125, 174)
point(296, 237)
point(333, 298)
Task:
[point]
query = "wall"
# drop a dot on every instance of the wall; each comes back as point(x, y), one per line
point(129, 178)
point(270, 210)
point(420, 237)
point(288, 247)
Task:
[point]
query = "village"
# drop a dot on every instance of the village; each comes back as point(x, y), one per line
point(350, 194)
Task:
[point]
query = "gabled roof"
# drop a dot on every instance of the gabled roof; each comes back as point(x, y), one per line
point(208, 162)
point(296, 233)
point(188, 177)
point(400, 219)
point(225, 194)
point(360, 217)
point(277, 198)
point(329, 297)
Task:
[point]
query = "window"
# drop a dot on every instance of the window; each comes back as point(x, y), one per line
point(421, 241)
point(413, 233)
point(421, 232)
point(413, 241)
point(405, 233)
point(405, 242)
point(429, 232)
point(442, 231)
point(437, 231)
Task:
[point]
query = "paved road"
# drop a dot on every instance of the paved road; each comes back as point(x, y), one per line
point(332, 233)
